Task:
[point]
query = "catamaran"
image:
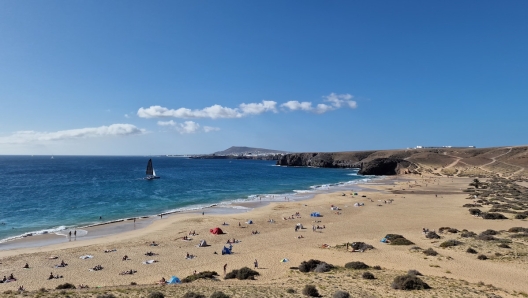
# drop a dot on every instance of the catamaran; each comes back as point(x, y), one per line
point(151, 174)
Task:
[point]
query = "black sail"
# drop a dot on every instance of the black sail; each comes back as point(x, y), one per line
point(149, 168)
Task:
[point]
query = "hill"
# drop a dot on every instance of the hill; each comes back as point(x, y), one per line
point(234, 150)
point(508, 162)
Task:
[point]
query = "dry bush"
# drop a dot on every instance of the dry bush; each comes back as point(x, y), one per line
point(356, 265)
point(430, 252)
point(310, 290)
point(409, 282)
point(471, 251)
point(368, 275)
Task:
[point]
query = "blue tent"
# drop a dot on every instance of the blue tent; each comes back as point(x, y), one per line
point(174, 280)
point(315, 214)
point(226, 251)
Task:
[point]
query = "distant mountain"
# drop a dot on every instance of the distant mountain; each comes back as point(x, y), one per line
point(234, 150)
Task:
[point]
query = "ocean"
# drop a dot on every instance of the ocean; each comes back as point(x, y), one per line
point(40, 194)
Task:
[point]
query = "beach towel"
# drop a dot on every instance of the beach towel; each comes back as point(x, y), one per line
point(315, 214)
point(86, 257)
point(149, 262)
point(174, 280)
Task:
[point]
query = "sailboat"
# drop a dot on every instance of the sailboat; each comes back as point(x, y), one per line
point(151, 174)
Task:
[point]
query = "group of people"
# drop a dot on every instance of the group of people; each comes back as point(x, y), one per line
point(97, 268)
point(128, 272)
point(51, 276)
point(189, 256)
point(192, 233)
point(8, 279)
point(255, 232)
point(126, 258)
point(229, 241)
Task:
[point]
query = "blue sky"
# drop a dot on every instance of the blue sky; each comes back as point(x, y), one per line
point(177, 77)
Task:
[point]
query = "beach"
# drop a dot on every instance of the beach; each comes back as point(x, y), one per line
point(394, 205)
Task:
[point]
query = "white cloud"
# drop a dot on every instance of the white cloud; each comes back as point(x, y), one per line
point(294, 105)
point(323, 108)
point(187, 127)
point(336, 101)
point(210, 128)
point(20, 137)
point(126, 116)
point(258, 108)
point(212, 112)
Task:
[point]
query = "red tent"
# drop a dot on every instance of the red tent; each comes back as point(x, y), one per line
point(216, 231)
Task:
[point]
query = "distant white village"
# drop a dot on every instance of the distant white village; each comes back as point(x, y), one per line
point(440, 147)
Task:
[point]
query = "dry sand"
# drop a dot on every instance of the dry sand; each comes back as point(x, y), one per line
point(454, 272)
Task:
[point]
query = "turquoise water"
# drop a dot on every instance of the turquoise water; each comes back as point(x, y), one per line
point(43, 194)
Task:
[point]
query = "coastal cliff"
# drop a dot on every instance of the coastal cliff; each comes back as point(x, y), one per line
point(458, 162)
point(376, 166)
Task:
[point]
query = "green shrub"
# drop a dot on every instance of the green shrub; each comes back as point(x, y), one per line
point(315, 266)
point(518, 230)
point(242, 273)
point(450, 243)
point(493, 216)
point(409, 282)
point(489, 232)
point(468, 234)
point(367, 275)
point(201, 275)
point(310, 290)
point(521, 216)
point(356, 265)
point(474, 211)
point(482, 257)
point(65, 286)
point(430, 252)
point(471, 251)
point(290, 291)
point(377, 267)
point(156, 295)
point(193, 295)
point(414, 272)
point(106, 295)
point(341, 294)
point(401, 241)
point(219, 294)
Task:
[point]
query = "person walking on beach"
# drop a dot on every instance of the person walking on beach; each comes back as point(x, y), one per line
point(225, 269)
point(75, 233)
point(256, 264)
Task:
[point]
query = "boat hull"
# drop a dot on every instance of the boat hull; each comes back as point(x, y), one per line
point(152, 177)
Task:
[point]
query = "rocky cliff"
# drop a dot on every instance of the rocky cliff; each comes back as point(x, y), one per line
point(376, 166)
point(509, 162)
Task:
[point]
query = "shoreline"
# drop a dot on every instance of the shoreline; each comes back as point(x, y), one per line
point(118, 226)
point(415, 206)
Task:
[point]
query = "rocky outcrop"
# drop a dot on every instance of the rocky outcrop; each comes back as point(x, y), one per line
point(320, 160)
point(377, 166)
point(387, 166)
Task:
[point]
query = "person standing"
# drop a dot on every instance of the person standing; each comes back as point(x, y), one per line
point(256, 264)
point(225, 269)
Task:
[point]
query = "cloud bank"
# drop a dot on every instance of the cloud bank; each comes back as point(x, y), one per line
point(212, 112)
point(21, 137)
point(187, 127)
point(333, 101)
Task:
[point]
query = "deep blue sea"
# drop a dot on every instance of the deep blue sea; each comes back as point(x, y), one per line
point(40, 193)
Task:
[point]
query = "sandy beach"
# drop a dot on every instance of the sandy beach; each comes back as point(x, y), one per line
point(402, 205)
